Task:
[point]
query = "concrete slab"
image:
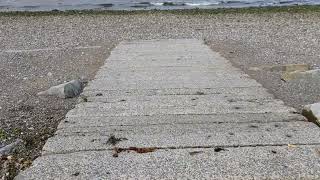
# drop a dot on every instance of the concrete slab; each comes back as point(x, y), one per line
point(161, 74)
point(254, 92)
point(183, 135)
point(270, 162)
point(96, 121)
point(149, 108)
point(198, 97)
point(193, 83)
point(171, 60)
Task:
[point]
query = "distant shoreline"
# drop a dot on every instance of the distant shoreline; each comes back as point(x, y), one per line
point(195, 11)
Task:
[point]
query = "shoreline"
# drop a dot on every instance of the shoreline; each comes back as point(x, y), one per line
point(195, 11)
point(37, 5)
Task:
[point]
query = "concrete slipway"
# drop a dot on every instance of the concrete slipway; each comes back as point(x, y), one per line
point(174, 109)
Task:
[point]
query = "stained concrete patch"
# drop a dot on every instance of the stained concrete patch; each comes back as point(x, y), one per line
point(307, 75)
point(183, 135)
point(282, 68)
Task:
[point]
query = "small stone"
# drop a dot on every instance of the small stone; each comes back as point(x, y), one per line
point(312, 112)
point(20, 160)
point(49, 74)
point(31, 128)
point(9, 158)
point(76, 174)
point(6, 150)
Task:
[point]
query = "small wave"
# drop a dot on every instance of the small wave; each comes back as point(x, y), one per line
point(231, 2)
point(145, 3)
point(173, 4)
point(287, 2)
point(141, 5)
point(30, 7)
point(106, 5)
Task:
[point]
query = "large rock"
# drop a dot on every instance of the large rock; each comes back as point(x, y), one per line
point(282, 68)
point(299, 74)
point(66, 90)
point(312, 112)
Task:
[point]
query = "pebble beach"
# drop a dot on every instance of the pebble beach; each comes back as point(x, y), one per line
point(41, 50)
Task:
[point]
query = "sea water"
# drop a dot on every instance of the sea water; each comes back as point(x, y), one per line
point(45, 5)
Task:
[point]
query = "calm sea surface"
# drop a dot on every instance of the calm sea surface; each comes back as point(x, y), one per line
point(41, 5)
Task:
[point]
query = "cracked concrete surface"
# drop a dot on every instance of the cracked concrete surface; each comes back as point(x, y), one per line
point(204, 118)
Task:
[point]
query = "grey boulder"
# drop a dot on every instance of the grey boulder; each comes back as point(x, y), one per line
point(69, 89)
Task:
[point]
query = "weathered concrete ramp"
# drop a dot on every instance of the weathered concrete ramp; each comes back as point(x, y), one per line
point(175, 109)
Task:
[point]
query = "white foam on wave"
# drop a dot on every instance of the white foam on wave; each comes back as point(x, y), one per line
point(202, 4)
point(185, 3)
point(157, 3)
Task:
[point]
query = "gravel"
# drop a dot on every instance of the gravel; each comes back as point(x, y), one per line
point(65, 47)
